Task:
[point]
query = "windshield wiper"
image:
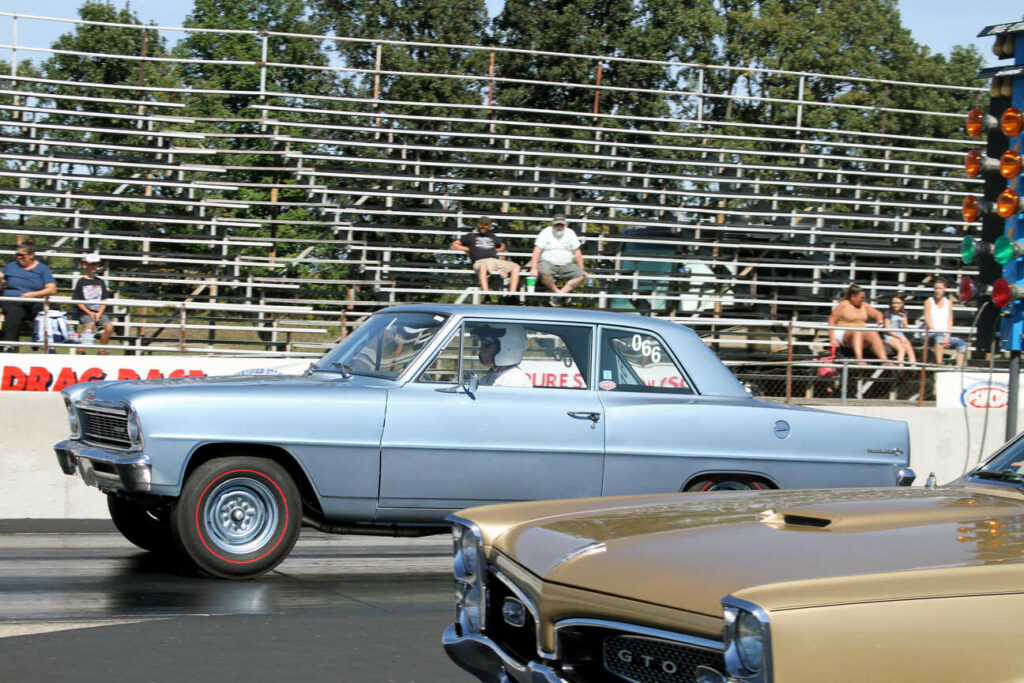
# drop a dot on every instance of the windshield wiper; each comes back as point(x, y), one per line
point(1001, 475)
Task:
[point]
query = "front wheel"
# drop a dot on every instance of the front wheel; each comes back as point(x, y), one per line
point(238, 517)
point(726, 483)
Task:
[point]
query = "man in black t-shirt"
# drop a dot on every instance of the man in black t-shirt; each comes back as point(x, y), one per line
point(483, 247)
point(93, 291)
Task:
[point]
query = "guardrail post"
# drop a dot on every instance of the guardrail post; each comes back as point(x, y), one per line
point(920, 388)
point(182, 345)
point(844, 382)
point(46, 324)
point(789, 365)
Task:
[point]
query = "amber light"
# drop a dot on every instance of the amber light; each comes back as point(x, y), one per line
point(975, 125)
point(972, 164)
point(1011, 122)
point(1008, 203)
point(1009, 164)
point(971, 208)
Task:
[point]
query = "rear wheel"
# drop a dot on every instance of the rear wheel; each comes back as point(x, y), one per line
point(238, 517)
point(727, 483)
point(146, 526)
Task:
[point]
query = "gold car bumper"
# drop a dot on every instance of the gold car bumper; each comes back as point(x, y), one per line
point(484, 659)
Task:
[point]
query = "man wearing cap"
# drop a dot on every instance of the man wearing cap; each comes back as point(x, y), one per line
point(554, 251)
point(483, 247)
point(92, 290)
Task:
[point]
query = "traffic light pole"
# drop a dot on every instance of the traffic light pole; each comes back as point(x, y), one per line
point(1013, 391)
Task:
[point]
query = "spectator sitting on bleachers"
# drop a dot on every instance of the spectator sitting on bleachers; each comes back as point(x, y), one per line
point(853, 311)
point(29, 279)
point(554, 251)
point(93, 289)
point(895, 322)
point(483, 248)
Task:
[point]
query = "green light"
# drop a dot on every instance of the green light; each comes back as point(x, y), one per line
point(1003, 250)
point(968, 250)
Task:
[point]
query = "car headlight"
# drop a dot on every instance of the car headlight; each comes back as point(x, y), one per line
point(133, 426)
point(73, 422)
point(747, 641)
point(470, 577)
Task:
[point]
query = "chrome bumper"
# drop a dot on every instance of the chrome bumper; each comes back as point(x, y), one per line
point(104, 469)
point(905, 477)
point(483, 658)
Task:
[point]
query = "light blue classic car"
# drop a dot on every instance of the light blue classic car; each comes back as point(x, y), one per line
point(427, 409)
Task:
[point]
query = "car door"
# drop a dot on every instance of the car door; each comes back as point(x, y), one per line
point(450, 444)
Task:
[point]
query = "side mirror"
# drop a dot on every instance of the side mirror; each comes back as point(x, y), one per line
point(471, 384)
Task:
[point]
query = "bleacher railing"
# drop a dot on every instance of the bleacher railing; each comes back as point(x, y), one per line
point(355, 195)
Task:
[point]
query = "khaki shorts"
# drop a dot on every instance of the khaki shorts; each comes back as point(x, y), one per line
point(495, 265)
point(568, 271)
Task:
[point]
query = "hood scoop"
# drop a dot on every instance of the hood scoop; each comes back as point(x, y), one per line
point(788, 519)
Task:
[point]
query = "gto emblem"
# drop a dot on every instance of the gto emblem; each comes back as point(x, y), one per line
point(664, 665)
point(513, 612)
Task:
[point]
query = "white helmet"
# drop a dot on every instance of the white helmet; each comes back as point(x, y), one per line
point(512, 341)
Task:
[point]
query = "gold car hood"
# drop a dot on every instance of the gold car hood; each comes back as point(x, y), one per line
point(690, 550)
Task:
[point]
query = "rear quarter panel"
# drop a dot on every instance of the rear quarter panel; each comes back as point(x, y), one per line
point(658, 442)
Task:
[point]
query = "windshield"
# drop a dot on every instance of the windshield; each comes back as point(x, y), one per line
point(1006, 465)
point(384, 345)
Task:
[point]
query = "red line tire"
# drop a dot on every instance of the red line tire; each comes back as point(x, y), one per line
point(726, 483)
point(238, 516)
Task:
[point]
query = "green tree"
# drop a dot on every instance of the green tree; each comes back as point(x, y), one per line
point(294, 77)
point(447, 167)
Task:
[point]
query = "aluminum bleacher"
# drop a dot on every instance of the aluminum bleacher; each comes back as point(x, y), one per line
point(303, 212)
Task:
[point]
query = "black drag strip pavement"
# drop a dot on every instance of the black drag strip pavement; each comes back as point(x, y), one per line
point(79, 603)
point(316, 645)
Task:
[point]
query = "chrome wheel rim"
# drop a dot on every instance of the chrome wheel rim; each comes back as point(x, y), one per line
point(240, 516)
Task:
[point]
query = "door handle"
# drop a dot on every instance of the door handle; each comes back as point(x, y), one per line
point(584, 414)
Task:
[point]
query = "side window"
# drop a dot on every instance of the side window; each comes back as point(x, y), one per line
point(635, 361)
point(516, 354)
point(445, 367)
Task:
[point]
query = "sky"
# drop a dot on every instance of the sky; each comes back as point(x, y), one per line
point(939, 24)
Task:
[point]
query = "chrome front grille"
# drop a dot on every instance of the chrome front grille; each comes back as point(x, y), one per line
point(598, 651)
point(105, 427)
point(650, 660)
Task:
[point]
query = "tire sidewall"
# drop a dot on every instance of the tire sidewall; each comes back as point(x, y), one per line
point(133, 521)
point(190, 513)
point(726, 483)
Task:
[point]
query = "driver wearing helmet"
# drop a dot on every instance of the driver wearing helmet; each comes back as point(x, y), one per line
point(501, 350)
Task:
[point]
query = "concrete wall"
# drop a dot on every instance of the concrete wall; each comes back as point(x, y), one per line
point(34, 487)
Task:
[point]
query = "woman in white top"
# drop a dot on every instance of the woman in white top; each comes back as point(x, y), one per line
point(938, 315)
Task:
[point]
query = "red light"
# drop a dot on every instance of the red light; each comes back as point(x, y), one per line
point(1001, 292)
point(966, 290)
